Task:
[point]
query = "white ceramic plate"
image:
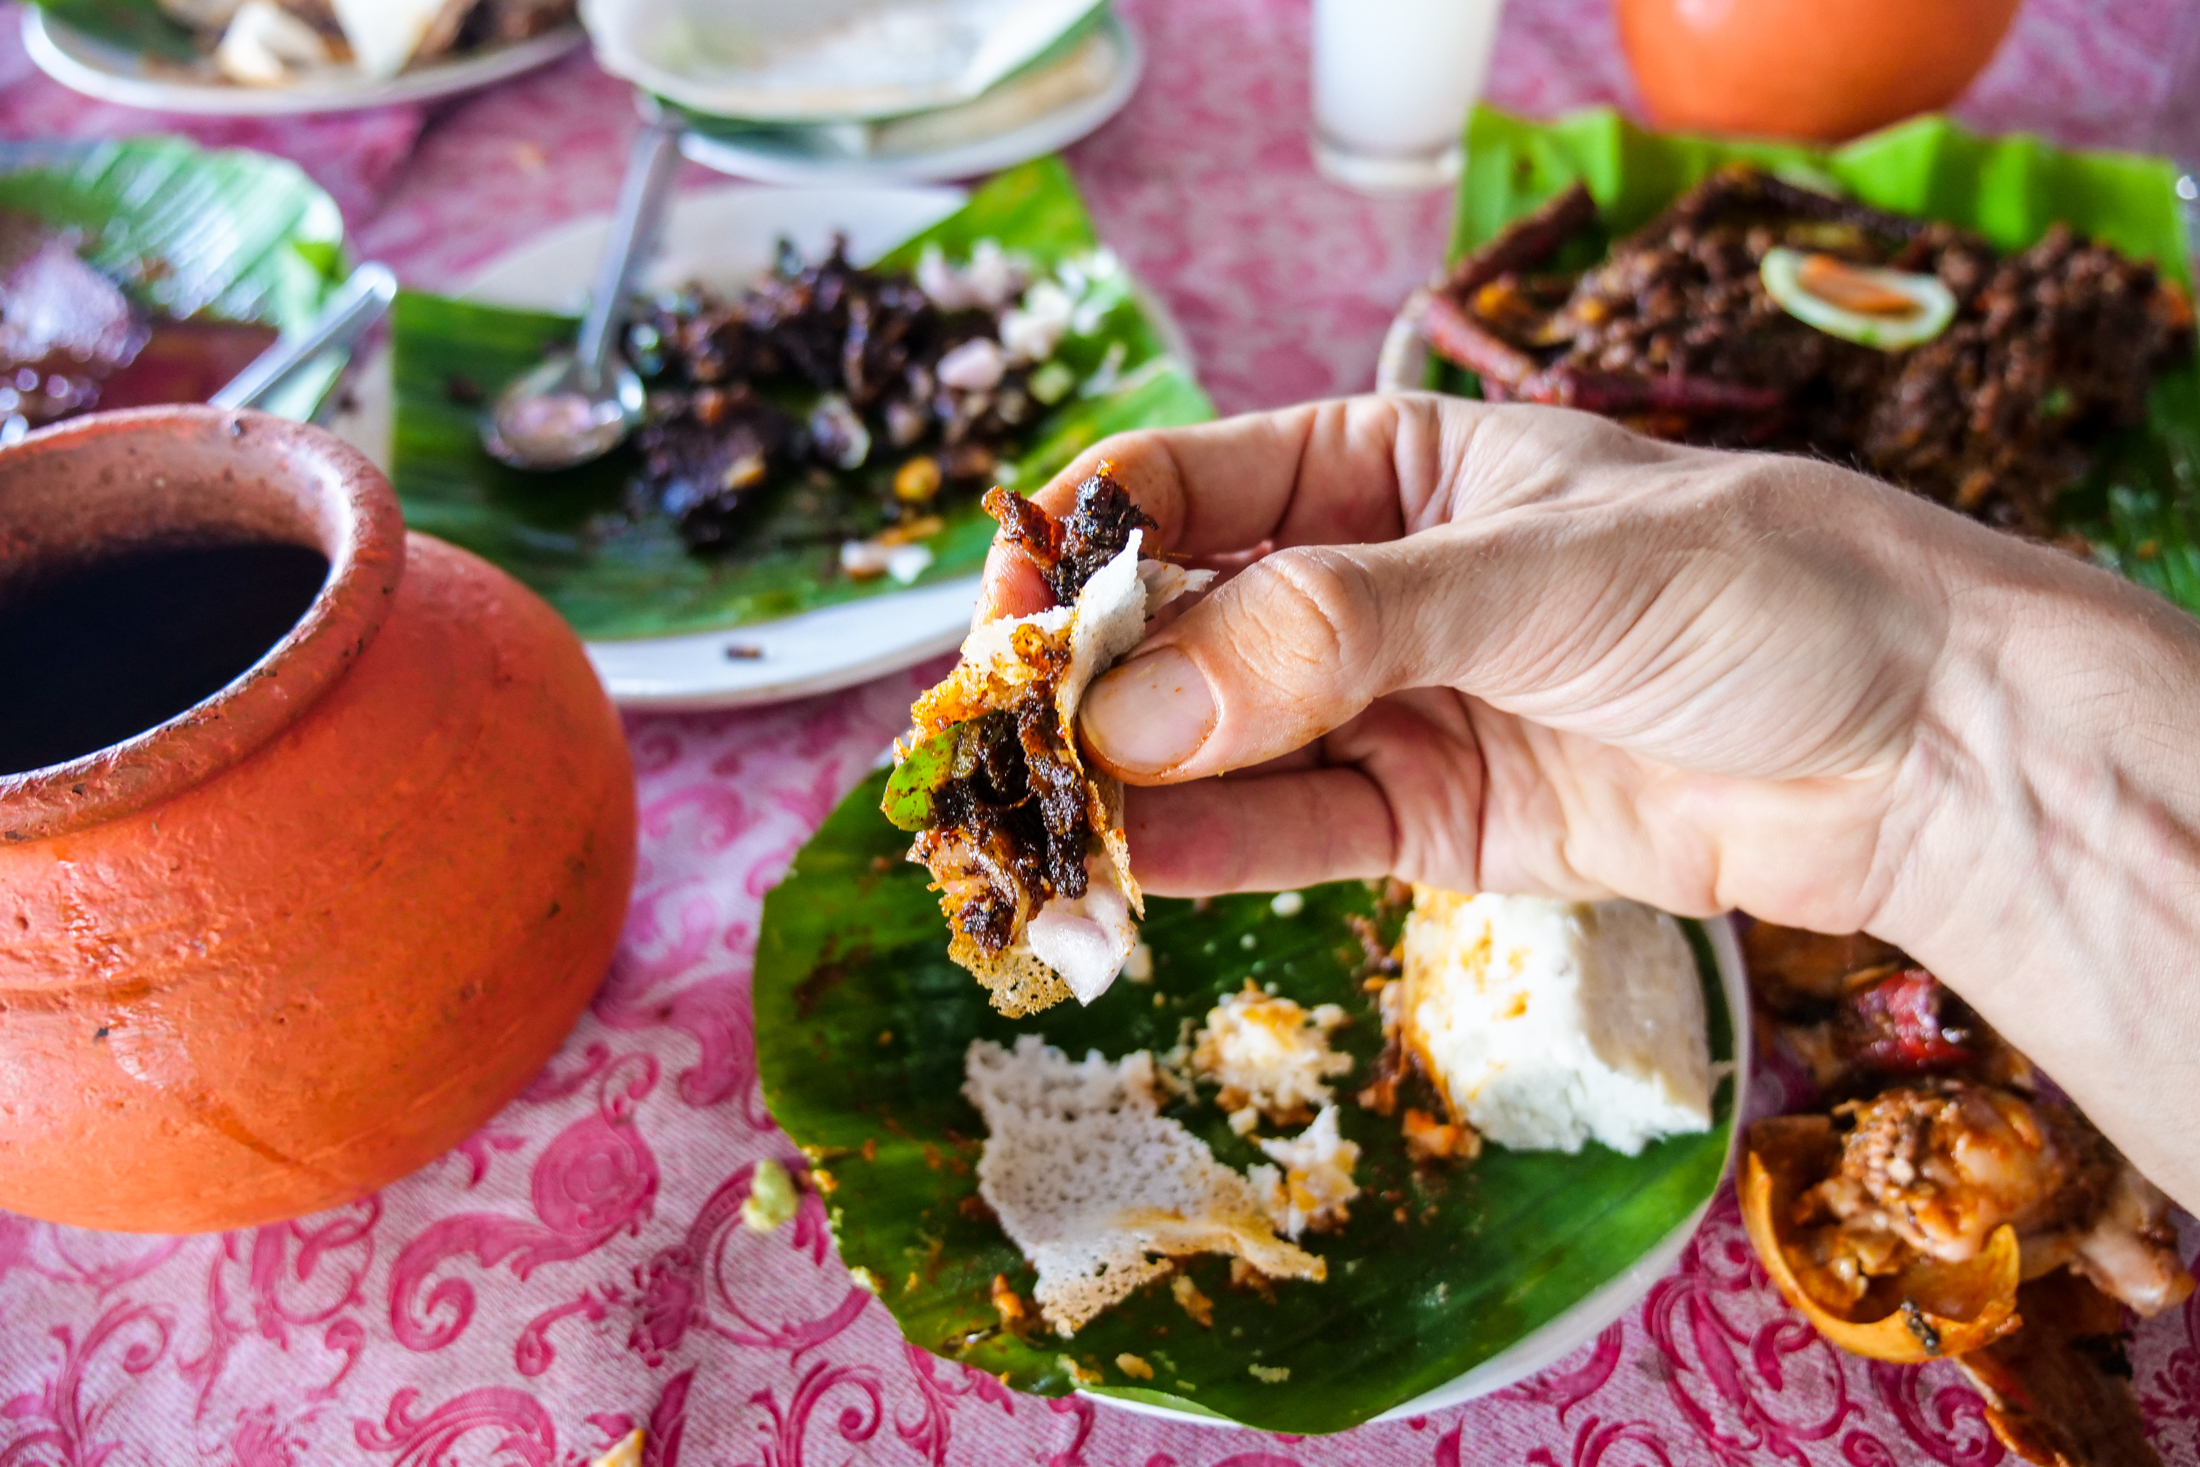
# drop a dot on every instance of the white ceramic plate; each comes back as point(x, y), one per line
point(823, 60)
point(1024, 118)
point(116, 74)
point(725, 237)
point(1589, 1318)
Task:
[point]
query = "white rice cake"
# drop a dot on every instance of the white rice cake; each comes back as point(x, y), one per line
point(1550, 1023)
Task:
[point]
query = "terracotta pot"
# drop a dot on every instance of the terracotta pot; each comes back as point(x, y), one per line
point(1818, 70)
point(307, 935)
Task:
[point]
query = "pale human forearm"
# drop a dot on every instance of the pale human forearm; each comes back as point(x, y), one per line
point(2052, 873)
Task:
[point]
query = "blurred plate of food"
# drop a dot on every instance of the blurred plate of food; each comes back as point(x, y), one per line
point(807, 61)
point(1315, 1158)
point(800, 512)
point(2001, 325)
point(152, 271)
point(278, 57)
point(1072, 89)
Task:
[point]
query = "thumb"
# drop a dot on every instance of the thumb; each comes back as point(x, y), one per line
point(1296, 645)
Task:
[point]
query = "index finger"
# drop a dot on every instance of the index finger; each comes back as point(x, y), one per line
point(1341, 472)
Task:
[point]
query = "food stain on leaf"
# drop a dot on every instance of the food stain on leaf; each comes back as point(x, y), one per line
point(811, 990)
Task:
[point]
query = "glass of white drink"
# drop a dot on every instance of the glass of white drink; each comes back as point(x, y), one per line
point(1393, 80)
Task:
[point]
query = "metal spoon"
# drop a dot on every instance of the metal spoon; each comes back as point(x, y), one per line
point(356, 306)
point(573, 409)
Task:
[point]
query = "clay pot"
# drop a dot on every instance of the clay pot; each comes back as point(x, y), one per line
point(304, 937)
point(1816, 70)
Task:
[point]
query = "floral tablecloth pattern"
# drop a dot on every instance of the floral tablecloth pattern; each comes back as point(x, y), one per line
point(578, 1268)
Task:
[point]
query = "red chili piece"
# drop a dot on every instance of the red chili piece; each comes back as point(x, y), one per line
point(1900, 1025)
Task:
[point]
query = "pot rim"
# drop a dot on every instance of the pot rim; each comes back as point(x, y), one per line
point(357, 525)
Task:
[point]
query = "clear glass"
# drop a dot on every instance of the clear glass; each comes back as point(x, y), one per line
point(1393, 80)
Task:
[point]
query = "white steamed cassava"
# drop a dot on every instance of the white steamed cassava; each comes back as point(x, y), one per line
point(1548, 1024)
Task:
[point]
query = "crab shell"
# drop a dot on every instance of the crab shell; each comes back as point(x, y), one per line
point(1931, 1309)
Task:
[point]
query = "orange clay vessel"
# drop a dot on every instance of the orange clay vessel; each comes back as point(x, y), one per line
point(1813, 70)
point(305, 936)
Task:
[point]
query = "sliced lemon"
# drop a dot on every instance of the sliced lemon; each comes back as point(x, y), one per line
point(1892, 310)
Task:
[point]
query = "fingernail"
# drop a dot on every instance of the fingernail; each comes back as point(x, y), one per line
point(1151, 714)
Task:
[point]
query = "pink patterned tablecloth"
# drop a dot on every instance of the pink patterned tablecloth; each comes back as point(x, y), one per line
point(576, 1267)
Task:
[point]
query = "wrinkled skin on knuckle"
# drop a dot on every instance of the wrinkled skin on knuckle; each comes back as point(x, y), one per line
point(1427, 453)
point(1813, 609)
point(1520, 454)
point(1303, 623)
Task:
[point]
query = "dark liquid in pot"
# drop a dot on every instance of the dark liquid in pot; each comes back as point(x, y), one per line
point(110, 649)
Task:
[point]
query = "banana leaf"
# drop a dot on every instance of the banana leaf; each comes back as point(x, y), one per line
point(134, 25)
point(2136, 506)
point(612, 577)
point(861, 1027)
point(189, 233)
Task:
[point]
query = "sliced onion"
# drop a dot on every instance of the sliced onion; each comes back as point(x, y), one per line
point(1931, 304)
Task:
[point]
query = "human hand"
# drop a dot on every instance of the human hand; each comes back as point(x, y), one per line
point(1513, 650)
point(1520, 649)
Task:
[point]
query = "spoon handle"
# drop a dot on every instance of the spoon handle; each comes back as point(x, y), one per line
point(650, 169)
point(357, 305)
